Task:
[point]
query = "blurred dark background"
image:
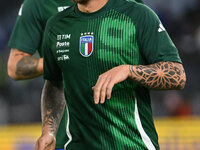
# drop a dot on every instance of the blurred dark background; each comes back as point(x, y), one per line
point(20, 100)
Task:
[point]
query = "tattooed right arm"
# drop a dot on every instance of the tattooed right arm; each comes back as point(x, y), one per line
point(22, 65)
point(53, 104)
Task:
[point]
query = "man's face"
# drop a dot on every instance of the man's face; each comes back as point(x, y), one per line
point(81, 1)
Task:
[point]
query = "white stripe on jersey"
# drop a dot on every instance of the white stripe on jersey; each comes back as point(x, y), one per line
point(67, 130)
point(144, 136)
point(20, 10)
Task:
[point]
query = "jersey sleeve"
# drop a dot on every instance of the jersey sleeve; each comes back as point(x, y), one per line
point(153, 40)
point(51, 70)
point(28, 30)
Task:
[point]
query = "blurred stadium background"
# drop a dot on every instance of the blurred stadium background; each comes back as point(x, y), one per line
point(175, 112)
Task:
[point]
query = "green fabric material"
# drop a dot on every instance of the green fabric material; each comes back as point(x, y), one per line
point(123, 33)
point(28, 32)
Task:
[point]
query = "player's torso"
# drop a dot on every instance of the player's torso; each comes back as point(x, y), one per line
point(84, 48)
point(106, 41)
point(91, 46)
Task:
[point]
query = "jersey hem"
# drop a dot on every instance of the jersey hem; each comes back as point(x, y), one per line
point(22, 48)
point(169, 59)
point(59, 147)
point(51, 79)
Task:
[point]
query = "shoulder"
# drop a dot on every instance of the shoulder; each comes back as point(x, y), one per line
point(31, 8)
point(144, 11)
point(136, 10)
point(30, 4)
point(55, 19)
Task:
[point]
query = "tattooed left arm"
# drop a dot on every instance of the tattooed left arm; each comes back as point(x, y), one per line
point(161, 75)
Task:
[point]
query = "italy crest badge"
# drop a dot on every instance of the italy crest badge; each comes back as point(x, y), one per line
point(86, 45)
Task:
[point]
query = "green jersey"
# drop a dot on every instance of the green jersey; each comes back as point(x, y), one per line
point(28, 33)
point(78, 47)
point(33, 15)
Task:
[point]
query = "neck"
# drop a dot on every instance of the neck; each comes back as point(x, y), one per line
point(92, 5)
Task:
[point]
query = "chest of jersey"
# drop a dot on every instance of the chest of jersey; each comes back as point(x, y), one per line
point(98, 43)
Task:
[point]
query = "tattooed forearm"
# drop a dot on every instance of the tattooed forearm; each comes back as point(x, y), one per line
point(27, 67)
point(53, 104)
point(162, 75)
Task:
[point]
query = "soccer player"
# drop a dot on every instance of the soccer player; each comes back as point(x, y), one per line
point(26, 40)
point(108, 54)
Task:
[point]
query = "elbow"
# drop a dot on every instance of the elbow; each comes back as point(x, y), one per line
point(182, 82)
point(12, 75)
point(181, 76)
point(12, 72)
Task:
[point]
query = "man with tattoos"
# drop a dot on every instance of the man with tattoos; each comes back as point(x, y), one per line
point(108, 54)
point(26, 40)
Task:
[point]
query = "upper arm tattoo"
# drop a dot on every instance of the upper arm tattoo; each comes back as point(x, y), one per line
point(162, 75)
point(53, 104)
point(27, 66)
